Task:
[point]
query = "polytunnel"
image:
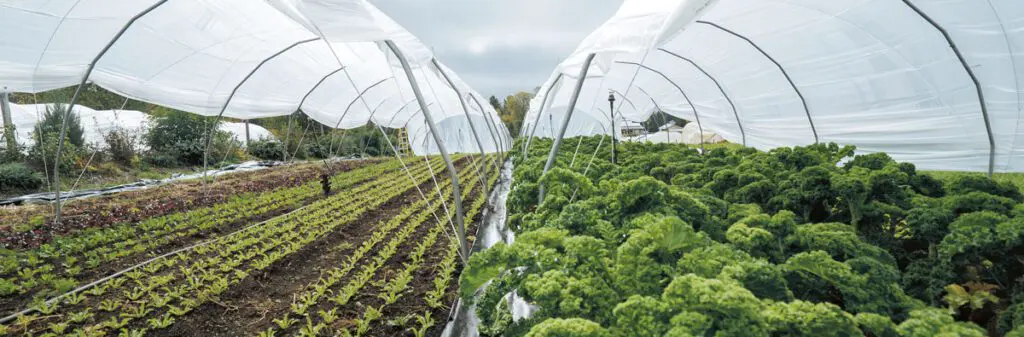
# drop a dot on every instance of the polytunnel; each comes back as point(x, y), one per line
point(97, 123)
point(935, 83)
point(343, 63)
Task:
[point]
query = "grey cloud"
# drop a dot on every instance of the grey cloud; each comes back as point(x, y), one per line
point(500, 47)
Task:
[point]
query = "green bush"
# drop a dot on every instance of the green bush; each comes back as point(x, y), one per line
point(179, 138)
point(41, 155)
point(12, 155)
point(54, 117)
point(266, 149)
point(18, 177)
point(121, 145)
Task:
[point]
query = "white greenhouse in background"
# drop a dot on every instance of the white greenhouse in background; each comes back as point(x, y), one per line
point(343, 63)
point(97, 124)
point(935, 83)
point(241, 59)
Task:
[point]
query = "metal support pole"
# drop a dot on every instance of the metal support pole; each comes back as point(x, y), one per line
point(311, 90)
point(551, 126)
point(412, 180)
point(735, 112)
point(656, 106)
point(344, 134)
point(498, 142)
point(78, 91)
point(287, 134)
point(611, 115)
point(5, 109)
point(781, 69)
point(540, 111)
point(681, 91)
point(465, 110)
point(589, 163)
point(565, 121)
point(349, 107)
point(974, 78)
point(496, 136)
point(209, 135)
point(461, 226)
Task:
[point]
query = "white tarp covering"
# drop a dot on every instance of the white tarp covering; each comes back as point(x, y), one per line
point(97, 124)
point(872, 73)
point(239, 58)
point(689, 134)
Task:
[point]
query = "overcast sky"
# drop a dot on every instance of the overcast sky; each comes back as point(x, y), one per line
point(501, 46)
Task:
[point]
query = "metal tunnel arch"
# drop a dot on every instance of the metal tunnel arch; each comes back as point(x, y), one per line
point(803, 100)
point(974, 78)
point(739, 123)
point(696, 114)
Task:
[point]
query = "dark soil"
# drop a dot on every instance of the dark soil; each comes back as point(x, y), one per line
point(135, 206)
point(15, 303)
point(248, 307)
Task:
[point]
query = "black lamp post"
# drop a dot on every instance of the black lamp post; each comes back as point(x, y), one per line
point(611, 111)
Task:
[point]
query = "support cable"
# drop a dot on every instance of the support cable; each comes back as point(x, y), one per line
point(456, 190)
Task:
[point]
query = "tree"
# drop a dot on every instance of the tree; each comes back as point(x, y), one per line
point(515, 109)
point(92, 96)
point(179, 138)
point(496, 104)
point(52, 121)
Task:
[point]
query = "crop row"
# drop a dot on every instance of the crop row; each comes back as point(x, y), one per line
point(58, 266)
point(316, 310)
point(151, 298)
point(444, 271)
point(398, 228)
point(29, 227)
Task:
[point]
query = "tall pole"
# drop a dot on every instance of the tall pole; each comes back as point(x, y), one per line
point(246, 133)
point(611, 112)
point(5, 107)
point(565, 121)
point(551, 126)
point(469, 119)
point(495, 135)
point(456, 191)
point(540, 111)
point(78, 91)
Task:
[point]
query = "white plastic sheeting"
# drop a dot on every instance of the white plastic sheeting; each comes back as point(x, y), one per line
point(872, 73)
point(238, 58)
point(689, 134)
point(96, 124)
